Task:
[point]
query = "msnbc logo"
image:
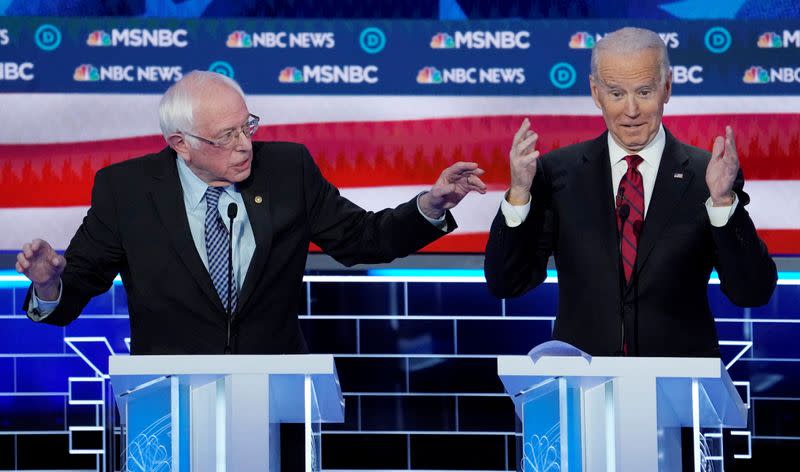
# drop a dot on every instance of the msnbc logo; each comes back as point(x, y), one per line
point(770, 40)
point(581, 40)
point(290, 75)
point(239, 39)
point(429, 75)
point(86, 73)
point(98, 38)
point(756, 75)
point(442, 41)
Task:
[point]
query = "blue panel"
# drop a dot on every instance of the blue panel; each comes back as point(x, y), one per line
point(768, 378)
point(32, 413)
point(91, 391)
point(6, 374)
point(506, 336)
point(120, 300)
point(24, 336)
point(82, 415)
point(452, 299)
point(777, 417)
point(486, 414)
point(19, 293)
point(541, 301)
point(115, 330)
point(357, 298)
point(396, 413)
point(371, 375)
point(330, 336)
point(406, 337)
point(7, 301)
point(454, 375)
point(100, 305)
point(776, 340)
point(783, 304)
point(49, 374)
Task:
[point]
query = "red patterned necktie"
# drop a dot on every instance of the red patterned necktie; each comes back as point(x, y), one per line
point(631, 193)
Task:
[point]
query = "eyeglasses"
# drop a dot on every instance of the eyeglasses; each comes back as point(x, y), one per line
point(232, 136)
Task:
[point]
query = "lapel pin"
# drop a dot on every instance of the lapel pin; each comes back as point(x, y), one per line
point(678, 175)
point(258, 199)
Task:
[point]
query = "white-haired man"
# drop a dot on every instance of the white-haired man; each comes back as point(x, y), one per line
point(162, 222)
point(625, 219)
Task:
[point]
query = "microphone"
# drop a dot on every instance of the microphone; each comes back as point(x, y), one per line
point(623, 212)
point(233, 209)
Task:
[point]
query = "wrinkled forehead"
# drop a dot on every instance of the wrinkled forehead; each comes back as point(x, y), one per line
point(219, 108)
point(628, 69)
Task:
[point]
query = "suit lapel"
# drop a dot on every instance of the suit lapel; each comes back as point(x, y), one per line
point(595, 178)
point(672, 181)
point(255, 192)
point(167, 197)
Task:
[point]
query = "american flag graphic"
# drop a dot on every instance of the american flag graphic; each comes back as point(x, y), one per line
point(379, 150)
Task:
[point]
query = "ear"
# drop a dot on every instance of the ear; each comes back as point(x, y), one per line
point(178, 142)
point(668, 87)
point(593, 86)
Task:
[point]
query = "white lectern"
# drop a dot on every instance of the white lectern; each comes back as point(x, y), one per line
point(215, 413)
point(620, 413)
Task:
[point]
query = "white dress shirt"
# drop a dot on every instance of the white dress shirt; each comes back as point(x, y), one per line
point(651, 155)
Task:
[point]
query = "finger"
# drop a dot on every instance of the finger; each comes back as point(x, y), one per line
point(26, 249)
point(526, 159)
point(19, 268)
point(477, 184)
point(22, 261)
point(460, 168)
point(524, 127)
point(730, 145)
point(527, 143)
point(36, 244)
point(718, 149)
point(57, 261)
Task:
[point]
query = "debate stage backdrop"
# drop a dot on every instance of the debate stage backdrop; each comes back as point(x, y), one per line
point(384, 103)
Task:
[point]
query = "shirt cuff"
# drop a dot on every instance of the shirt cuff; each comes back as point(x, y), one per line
point(440, 222)
point(515, 215)
point(39, 309)
point(720, 215)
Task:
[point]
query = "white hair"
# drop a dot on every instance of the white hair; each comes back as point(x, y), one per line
point(630, 41)
point(176, 109)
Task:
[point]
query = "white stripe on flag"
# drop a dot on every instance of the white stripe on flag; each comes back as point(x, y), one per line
point(774, 205)
point(91, 117)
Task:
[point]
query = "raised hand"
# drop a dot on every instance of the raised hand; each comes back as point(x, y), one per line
point(451, 187)
point(523, 157)
point(43, 266)
point(722, 169)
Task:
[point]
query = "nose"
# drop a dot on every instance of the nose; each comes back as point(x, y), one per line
point(632, 106)
point(243, 141)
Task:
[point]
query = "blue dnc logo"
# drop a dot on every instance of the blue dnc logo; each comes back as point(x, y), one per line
point(47, 37)
point(563, 75)
point(718, 40)
point(372, 40)
point(222, 67)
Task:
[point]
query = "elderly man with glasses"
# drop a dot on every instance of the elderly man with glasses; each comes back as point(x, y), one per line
point(163, 223)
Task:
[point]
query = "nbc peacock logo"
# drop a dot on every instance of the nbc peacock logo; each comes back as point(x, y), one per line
point(86, 73)
point(581, 40)
point(442, 41)
point(239, 39)
point(429, 75)
point(98, 38)
point(770, 40)
point(290, 75)
point(756, 75)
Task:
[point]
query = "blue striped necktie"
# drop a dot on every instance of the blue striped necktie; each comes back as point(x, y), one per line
point(217, 248)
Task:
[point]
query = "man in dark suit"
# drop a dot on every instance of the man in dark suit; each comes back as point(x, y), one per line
point(162, 222)
point(625, 219)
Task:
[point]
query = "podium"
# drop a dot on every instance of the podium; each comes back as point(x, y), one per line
point(620, 413)
point(221, 412)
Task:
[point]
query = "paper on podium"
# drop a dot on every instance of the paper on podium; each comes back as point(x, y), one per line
point(557, 349)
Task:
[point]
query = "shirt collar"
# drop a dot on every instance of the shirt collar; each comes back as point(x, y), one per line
point(651, 154)
point(194, 189)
